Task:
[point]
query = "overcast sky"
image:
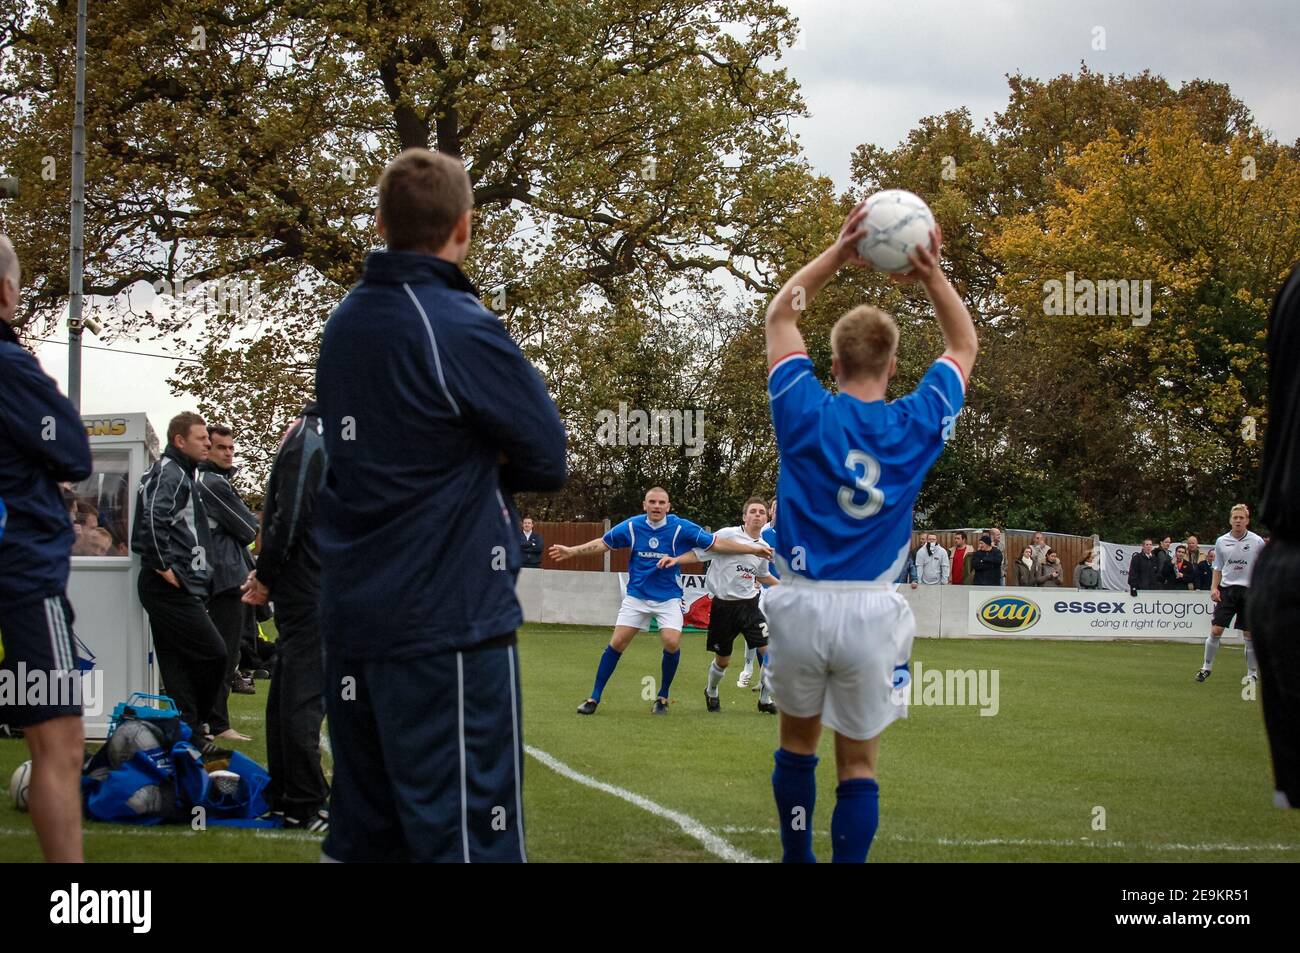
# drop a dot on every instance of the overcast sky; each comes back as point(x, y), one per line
point(870, 70)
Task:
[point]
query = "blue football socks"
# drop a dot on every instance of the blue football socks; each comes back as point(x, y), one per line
point(668, 670)
point(853, 823)
point(608, 662)
point(794, 783)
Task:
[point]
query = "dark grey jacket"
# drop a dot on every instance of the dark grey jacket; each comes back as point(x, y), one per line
point(171, 526)
point(233, 525)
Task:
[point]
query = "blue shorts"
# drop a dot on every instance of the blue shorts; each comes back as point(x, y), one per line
point(428, 757)
point(39, 649)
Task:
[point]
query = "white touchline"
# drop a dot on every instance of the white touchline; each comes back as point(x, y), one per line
point(100, 830)
point(1033, 842)
point(711, 841)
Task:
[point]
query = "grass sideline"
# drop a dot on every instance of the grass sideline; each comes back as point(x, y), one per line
point(1181, 769)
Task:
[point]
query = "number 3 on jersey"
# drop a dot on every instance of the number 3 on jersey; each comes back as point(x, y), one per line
point(865, 482)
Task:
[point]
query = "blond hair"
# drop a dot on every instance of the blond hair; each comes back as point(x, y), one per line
point(1242, 507)
point(864, 340)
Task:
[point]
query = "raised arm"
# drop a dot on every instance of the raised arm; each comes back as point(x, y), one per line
point(959, 338)
point(687, 557)
point(739, 548)
point(783, 313)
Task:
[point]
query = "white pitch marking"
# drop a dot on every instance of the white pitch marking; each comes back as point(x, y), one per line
point(693, 828)
point(1032, 842)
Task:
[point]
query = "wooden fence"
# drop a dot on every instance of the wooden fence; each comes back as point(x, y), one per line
point(1069, 548)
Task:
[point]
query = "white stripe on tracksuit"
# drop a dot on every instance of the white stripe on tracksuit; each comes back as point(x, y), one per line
point(60, 641)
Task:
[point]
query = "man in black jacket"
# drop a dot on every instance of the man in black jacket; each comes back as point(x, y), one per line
point(288, 573)
point(1144, 569)
point(1164, 564)
point(233, 528)
point(987, 562)
point(171, 536)
point(532, 545)
point(42, 443)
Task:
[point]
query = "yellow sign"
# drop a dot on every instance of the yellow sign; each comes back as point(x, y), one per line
point(1009, 613)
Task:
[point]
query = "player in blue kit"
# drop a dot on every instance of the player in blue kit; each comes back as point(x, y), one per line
point(851, 465)
point(652, 592)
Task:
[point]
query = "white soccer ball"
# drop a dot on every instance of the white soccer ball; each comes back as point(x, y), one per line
point(20, 783)
point(897, 221)
point(226, 782)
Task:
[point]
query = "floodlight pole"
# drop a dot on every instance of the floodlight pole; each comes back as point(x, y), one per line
point(77, 249)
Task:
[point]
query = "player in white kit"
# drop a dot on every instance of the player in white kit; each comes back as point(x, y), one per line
point(1235, 553)
point(851, 466)
point(733, 584)
point(751, 654)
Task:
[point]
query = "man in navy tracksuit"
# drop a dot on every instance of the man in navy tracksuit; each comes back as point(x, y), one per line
point(42, 443)
point(432, 418)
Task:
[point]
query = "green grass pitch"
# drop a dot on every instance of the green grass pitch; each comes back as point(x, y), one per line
point(1180, 769)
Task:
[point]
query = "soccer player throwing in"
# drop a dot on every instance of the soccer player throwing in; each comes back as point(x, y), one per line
point(652, 592)
point(1235, 553)
point(851, 465)
point(733, 584)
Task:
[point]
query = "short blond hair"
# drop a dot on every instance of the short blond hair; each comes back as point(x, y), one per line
point(864, 340)
point(1241, 507)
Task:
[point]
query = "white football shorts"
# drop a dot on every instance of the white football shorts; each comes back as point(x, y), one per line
point(832, 650)
point(639, 612)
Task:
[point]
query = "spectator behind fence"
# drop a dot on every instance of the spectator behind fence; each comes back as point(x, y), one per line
point(961, 559)
point(1193, 550)
point(1182, 571)
point(532, 544)
point(1205, 570)
point(988, 563)
point(1050, 571)
point(1026, 566)
point(908, 575)
point(1143, 569)
point(1164, 564)
point(1086, 575)
point(1040, 549)
point(932, 566)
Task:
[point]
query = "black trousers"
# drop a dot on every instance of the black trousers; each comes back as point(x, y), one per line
point(234, 620)
point(1274, 618)
point(295, 709)
point(191, 653)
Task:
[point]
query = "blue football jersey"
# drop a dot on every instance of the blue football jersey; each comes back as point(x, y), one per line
point(851, 470)
point(769, 537)
point(649, 544)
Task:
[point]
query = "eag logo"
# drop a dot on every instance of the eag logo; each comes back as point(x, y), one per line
point(1009, 614)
